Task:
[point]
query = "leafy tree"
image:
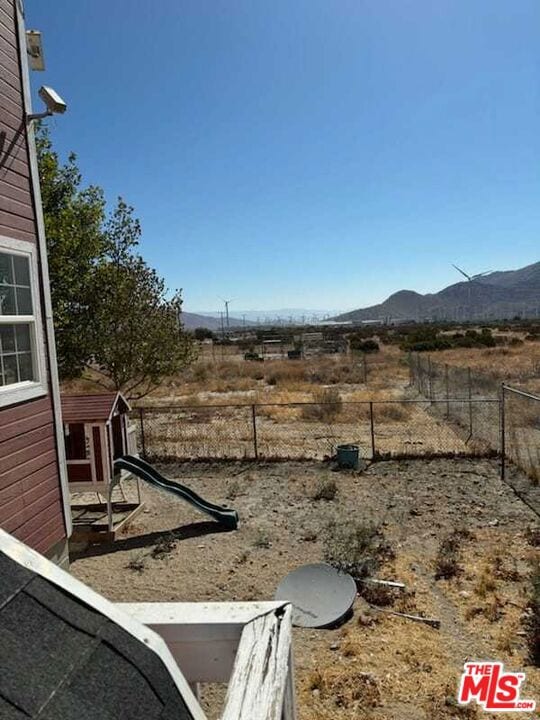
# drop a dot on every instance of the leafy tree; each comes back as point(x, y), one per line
point(75, 242)
point(135, 330)
point(202, 333)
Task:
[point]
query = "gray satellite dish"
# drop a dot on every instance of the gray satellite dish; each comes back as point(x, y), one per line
point(321, 595)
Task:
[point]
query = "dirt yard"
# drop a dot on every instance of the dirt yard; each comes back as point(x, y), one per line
point(377, 666)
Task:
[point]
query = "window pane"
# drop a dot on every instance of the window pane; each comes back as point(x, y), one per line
point(16, 358)
point(7, 301)
point(22, 334)
point(6, 274)
point(22, 270)
point(7, 338)
point(76, 443)
point(26, 371)
point(10, 369)
point(24, 301)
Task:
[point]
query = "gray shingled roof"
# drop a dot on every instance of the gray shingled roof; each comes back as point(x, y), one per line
point(61, 659)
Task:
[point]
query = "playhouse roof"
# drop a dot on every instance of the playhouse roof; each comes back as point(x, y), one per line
point(85, 408)
point(69, 654)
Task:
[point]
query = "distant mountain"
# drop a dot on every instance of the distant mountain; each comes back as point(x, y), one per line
point(495, 296)
point(284, 315)
point(193, 320)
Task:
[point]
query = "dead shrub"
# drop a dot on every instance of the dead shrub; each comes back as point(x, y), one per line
point(234, 489)
point(501, 571)
point(164, 547)
point(533, 536)
point(137, 563)
point(285, 372)
point(485, 584)
point(447, 561)
point(356, 548)
point(201, 372)
point(326, 489)
point(262, 539)
point(328, 406)
point(378, 595)
point(391, 412)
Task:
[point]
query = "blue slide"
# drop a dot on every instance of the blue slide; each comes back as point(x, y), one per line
point(140, 468)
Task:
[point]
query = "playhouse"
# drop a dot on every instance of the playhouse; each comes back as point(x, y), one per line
point(96, 433)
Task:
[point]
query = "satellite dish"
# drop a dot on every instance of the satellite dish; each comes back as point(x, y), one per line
point(321, 595)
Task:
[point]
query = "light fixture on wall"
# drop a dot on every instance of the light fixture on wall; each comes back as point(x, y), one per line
point(53, 102)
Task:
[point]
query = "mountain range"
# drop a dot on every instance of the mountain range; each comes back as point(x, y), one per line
point(497, 295)
point(211, 320)
point(194, 320)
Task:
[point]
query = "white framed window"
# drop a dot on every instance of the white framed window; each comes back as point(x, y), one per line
point(22, 351)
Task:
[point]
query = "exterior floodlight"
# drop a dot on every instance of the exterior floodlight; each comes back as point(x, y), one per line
point(53, 101)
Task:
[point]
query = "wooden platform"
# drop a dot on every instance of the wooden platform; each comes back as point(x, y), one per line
point(91, 523)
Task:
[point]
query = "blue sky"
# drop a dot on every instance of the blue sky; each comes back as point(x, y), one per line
point(306, 153)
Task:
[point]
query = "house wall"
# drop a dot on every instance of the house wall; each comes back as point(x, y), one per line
point(31, 502)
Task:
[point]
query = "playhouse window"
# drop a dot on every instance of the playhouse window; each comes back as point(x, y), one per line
point(21, 358)
point(76, 446)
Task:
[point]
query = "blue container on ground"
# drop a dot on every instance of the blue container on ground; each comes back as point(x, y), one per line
point(348, 456)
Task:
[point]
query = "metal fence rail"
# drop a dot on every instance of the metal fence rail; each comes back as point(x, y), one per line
point(382, 428)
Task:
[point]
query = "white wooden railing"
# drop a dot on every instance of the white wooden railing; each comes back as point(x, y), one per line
point(247, 645)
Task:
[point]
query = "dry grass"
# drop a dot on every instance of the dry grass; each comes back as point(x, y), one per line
point(519, 364)
point(231, 378)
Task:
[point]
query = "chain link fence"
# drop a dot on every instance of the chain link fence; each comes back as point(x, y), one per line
point(440, 380)
point(520, 438)
point(394, 428)
point(512, 425)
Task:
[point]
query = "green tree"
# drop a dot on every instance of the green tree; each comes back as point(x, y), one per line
point(136, 332)
point(202, 333)
point(75, 243)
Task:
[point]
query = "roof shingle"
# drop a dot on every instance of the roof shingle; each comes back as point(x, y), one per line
point(85, 408)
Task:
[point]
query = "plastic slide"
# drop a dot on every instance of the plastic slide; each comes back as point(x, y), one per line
point(136, 466)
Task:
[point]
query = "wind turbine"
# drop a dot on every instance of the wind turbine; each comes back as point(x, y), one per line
point(470, 279)
point(226, 310)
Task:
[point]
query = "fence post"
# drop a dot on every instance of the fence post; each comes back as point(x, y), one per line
point(502, 423)
point(469, 383)
point(143, 442)
point(447, 390)
point(372, 430)
point(430, 380)
point(364, 367)
point(254, 423)
point(411, 373)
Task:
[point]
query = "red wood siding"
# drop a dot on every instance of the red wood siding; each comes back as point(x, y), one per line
point(16, 205)
point(30, 494)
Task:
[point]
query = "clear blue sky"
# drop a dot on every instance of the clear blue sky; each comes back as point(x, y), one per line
point(306, 153)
